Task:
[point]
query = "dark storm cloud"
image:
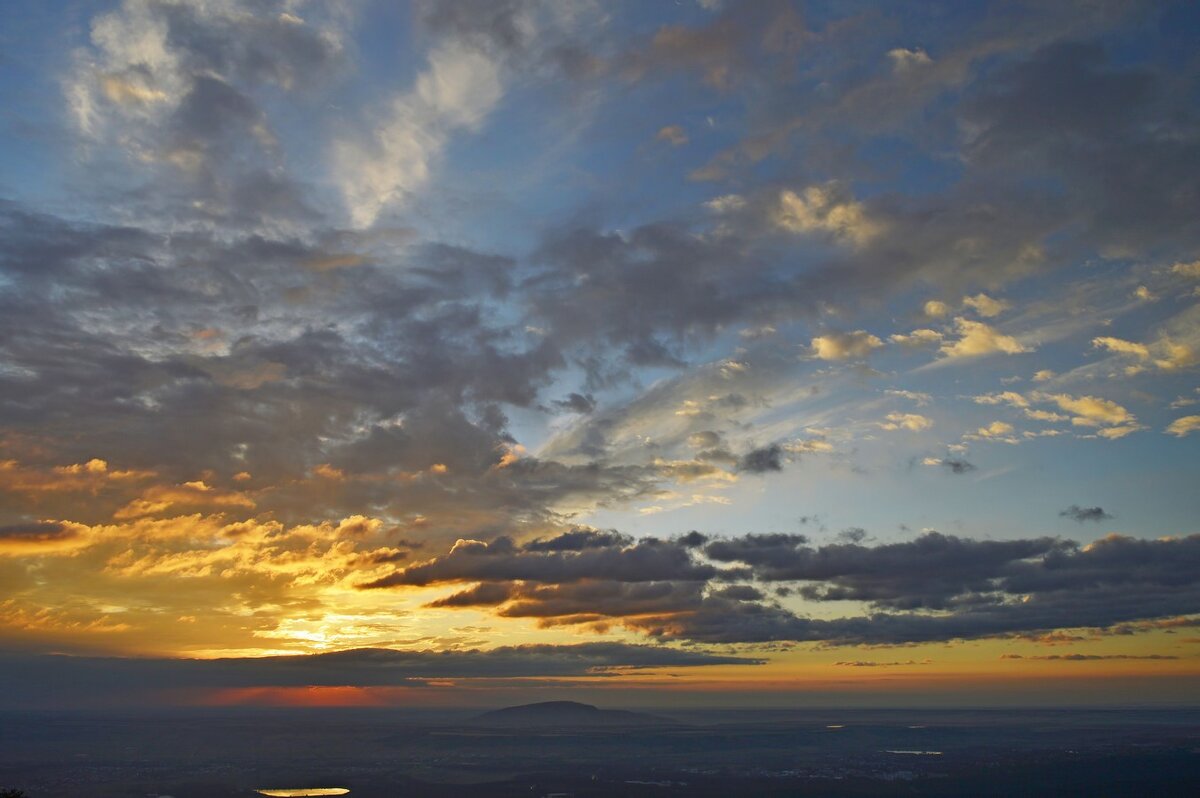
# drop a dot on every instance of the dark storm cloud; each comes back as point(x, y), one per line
point(647, 560)
point(486, 594)
point(580, 539)
point(84, 676)
point(936, 587)
point(41, 532)
point(1083, 514)
point(739, 593)
point(36, 531)
point(762, 461)
point(596, 599)
point(928, 572)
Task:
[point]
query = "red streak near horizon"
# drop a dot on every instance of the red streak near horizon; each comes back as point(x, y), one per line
point(312, 696)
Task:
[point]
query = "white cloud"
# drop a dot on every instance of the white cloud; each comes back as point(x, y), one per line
point(913, 422)
point(920, 398)
point(936, 309)
point(917, 338)
point(820, 210)
point(727, 203)
point(977, 338)
point(1121, 346)
point(985, 306)
point(997, 429)
point(905, 60)
point(1191, 270)
point(674, 135)
point(1007, 397)
point(841, 346)
point(1184, 426)
point(1091, 411)
point(459, 88)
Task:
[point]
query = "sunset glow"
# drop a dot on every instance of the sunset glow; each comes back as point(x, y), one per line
point(700, 353)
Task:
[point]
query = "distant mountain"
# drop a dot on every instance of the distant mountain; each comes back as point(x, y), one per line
point(566, 713)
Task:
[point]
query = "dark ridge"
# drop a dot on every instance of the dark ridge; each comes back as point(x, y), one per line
point(565, 713)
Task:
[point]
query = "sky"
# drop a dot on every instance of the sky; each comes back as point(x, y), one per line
point(691, 352)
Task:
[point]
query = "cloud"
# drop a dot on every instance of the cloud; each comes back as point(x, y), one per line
point(577, 403)
point(472, 560)
point(920, 397)
point(762, 461)
point(936, 309)
point(456, 92)
point(176, 91)
point(985, 306)
point(979, 588)
point(977, 339)
point(1183, 426)
point(843, 346)
point(822, 209)
point(904, 60)
point(1018, 118)
point(1006, 397)
point(44, 537)
point(141, 678)
point(954, 465)
point(913, 422)
point(917, 338)
point(674, 135)
point(1083, 514)
point(997, 429)
point(1091, 411)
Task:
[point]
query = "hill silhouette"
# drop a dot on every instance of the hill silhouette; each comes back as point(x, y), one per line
point(566, 713)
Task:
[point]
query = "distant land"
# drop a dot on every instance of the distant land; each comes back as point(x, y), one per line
point(567, 713)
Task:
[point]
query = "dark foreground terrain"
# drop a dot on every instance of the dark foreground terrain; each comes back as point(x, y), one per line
point(395, 753)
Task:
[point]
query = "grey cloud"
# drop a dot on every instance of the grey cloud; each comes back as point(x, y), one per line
point(647, 560)
point(927, 572)
point(1112, 133)
point(599, 599)
point(957, 465)
point(852, 535)
point(762, 461)
point(739, 593)
point(978, 588)
point(82, 677)
point(577, 403)
point(406, 370)
point(486, 594)
point(580, 539)
point(1083, 514)
point(255, 47)
point(39, 532)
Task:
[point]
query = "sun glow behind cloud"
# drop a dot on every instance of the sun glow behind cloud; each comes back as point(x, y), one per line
point(689, 331)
